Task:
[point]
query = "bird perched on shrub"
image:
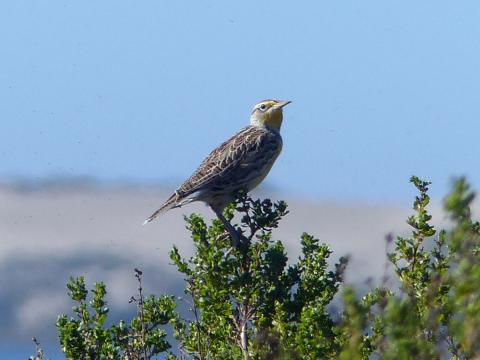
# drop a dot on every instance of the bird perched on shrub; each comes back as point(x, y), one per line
point(240, 163)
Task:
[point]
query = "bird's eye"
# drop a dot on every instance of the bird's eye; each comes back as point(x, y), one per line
point(263, 107)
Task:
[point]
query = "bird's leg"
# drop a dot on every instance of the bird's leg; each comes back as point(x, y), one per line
point(231, 230)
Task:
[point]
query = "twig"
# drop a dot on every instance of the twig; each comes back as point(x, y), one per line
point(141, 302)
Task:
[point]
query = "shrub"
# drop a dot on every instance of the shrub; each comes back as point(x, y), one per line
point(248, 302)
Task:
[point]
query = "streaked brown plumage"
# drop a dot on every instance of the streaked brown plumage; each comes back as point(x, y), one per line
point(240, 163)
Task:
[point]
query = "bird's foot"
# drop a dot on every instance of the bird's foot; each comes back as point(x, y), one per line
point(235, 237)
point(224, 236)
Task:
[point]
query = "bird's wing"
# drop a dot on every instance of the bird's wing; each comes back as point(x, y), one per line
point(234, 152)
point(235, 157)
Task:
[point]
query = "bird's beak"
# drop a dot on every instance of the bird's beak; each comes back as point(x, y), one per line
point(281, 104)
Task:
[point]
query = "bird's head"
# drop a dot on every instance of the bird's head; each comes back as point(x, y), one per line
point(268, 113)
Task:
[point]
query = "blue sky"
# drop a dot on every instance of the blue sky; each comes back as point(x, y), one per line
point(142, 91)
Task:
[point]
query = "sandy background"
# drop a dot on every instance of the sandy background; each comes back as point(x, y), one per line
point(49, 234)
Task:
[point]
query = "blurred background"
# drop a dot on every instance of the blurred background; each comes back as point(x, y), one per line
point(105, 107)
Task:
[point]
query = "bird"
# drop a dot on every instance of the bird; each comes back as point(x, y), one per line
point(240, 163)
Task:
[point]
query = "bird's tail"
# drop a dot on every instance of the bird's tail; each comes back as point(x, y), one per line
point(169, 204)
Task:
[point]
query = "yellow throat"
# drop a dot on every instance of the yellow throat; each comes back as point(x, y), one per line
point(268, 113)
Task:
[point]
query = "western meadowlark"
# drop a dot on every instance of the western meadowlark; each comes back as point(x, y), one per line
point(240, 163)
